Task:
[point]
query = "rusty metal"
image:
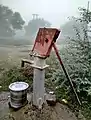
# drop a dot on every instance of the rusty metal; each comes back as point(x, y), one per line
point(44, 40)
point(66, 73)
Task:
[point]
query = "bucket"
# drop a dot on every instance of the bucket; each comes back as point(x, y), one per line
point(18, 94)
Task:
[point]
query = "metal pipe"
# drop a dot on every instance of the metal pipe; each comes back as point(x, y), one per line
point(66, 74)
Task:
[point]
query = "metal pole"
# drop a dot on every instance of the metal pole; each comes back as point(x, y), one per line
point(67, 75)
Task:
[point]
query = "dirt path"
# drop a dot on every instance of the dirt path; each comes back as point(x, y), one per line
point(59, 112)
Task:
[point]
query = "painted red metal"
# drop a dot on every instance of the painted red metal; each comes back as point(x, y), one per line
point(44, 40)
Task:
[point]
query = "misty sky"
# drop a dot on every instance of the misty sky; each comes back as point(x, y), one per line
point(55, 11)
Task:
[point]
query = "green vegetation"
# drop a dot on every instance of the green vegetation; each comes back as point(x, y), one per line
point(15, 74)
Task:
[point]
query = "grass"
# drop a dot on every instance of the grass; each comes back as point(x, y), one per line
point(17, 42)
point(15, 74)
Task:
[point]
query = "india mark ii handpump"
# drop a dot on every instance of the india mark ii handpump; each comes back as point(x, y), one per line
point(45, 41)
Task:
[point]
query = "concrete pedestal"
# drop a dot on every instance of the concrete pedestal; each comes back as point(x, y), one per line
point(38, 81)
point(38, 87)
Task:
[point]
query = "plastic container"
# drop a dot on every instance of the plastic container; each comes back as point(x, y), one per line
point(18, 94)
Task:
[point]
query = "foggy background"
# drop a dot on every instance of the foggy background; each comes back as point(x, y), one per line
point(55, 11)
point(20, 23)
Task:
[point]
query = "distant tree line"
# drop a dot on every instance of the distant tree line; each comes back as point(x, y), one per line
point(34, 25)
point(11, 21)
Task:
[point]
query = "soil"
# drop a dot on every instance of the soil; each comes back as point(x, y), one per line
point(29, 112)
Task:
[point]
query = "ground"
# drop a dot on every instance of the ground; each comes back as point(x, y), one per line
point(11, 56)
point(58, 112)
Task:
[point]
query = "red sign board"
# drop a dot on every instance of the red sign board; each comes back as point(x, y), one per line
point(44, 40)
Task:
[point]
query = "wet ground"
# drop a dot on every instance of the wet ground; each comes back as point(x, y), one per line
point(58, 112)
point(4, 109)
point(10, 56)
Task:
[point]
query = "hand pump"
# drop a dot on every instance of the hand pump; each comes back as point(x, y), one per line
point(42, 48)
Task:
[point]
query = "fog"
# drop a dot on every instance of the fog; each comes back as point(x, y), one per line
point(55, 11)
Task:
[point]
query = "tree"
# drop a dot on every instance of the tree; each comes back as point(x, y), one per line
point(17, 21)
point(81, 24)
point(9, 22)
point(68, 28)
point(34, 25)
point(80, 52)
point(85, 18)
